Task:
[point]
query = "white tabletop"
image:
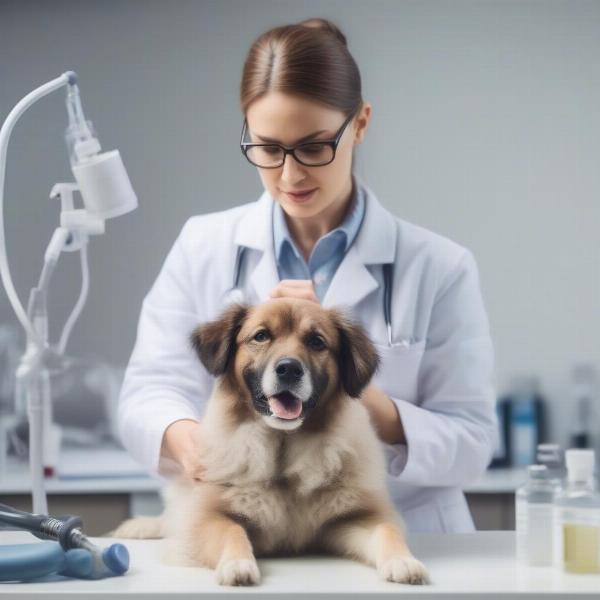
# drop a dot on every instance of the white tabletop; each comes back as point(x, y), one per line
point(480, 564)
point(112, 470)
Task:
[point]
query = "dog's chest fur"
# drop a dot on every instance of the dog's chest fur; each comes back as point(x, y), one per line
point(284, 486)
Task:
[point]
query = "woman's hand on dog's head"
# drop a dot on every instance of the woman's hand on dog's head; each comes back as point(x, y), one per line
point(295, 288)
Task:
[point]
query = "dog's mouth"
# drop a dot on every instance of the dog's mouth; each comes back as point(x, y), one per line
point(285, 405)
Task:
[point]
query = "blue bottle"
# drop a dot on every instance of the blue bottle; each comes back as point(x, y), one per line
point(526, 420)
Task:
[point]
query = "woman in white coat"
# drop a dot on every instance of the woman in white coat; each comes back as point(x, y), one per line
point(432, 401)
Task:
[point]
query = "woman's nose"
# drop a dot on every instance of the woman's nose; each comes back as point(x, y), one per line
point(292, 171)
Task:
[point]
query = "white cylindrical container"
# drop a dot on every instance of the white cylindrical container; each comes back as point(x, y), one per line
point(104, 185)
point(533, 504)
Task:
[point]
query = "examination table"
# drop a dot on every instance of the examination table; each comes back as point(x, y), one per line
point(471, 565)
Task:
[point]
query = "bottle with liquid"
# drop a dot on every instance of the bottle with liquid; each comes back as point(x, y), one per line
point(533, 509)
point(576, 516)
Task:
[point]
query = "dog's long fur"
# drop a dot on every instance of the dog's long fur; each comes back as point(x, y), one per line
point(272, 487)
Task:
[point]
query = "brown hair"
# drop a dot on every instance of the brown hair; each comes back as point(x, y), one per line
point(308, 59)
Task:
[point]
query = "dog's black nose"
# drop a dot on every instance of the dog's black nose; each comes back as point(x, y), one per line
point(289, 370)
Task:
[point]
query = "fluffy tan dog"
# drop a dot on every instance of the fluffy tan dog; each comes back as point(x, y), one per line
point(292, 461)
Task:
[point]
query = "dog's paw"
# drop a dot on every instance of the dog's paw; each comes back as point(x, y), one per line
point(141, 528)
point(404, 569)
point(238, 571)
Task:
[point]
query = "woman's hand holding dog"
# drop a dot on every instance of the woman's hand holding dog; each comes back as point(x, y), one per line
point(180, 443)
point(384, 415)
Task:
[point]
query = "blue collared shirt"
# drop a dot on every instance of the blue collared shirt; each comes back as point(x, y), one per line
point(327, 253)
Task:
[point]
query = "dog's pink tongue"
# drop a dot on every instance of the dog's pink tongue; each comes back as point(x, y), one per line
point(285, 405)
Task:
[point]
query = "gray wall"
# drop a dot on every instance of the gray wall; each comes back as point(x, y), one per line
point(485, 129)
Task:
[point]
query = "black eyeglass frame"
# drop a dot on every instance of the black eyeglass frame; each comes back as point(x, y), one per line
point(244, 146)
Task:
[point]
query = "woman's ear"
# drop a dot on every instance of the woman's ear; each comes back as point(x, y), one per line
point(214, 342)
point(358, 359)
point(362, 122)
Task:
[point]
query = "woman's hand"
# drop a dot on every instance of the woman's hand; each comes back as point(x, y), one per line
point(181, 444)
point(384, 415)
point(295, 288)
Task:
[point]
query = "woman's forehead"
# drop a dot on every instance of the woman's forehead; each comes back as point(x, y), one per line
point(289, 118)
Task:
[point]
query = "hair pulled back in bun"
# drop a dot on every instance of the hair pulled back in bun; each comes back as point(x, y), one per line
point(326, 25)
point(309, 59)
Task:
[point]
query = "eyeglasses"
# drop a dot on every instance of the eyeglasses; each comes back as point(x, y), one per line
point(309, 154)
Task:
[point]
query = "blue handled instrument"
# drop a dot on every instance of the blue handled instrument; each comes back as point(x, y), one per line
point(74, 555)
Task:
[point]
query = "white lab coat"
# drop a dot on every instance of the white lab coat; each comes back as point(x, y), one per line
point(439, 372)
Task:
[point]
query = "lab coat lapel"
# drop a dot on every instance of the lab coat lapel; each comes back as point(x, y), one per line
point(351, 281)
point(375, 243)
point(255, 230)
point(265, 276)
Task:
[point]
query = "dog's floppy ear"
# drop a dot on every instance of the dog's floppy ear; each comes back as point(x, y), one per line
point(214, 341)
point(358, 358)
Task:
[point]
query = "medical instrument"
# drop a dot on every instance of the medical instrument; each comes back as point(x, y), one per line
point(236, 294)
point(74, 555)
point(106, 192)
point(387, 298)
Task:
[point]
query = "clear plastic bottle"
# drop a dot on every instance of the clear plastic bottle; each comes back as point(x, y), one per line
point(551, 455)
point(533, 509)
point(576, 516)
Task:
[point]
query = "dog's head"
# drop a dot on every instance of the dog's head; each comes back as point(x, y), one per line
point(289, 361)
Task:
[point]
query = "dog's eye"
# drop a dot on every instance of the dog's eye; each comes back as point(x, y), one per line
point(261, 336)
point(316, 342)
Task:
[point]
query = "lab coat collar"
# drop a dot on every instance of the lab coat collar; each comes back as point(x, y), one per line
point(375, 243)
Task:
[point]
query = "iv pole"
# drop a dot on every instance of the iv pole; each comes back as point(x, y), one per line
point(106, 192)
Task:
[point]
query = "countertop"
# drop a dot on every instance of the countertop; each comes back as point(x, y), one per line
point(473, 565)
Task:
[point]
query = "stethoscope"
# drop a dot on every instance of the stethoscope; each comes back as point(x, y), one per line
point(236, 294)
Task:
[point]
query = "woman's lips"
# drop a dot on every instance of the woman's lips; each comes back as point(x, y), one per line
point(301, 197)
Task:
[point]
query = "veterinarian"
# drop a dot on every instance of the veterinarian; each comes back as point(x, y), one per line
point(319, 232)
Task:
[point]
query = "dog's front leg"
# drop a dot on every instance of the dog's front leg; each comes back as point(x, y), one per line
point(379, 543)
point(222, 544)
